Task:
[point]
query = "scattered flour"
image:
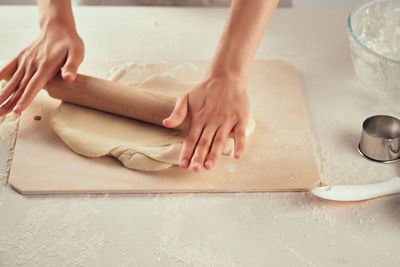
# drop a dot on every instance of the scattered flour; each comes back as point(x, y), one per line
point(70, 239)
point(8, 128)
point(195, 229)
point(8, 123)
point(171, 250)
point(280, 241)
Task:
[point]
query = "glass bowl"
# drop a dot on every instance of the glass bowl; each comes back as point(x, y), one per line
point(374, 34)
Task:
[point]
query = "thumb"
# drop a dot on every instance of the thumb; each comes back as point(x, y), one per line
point(179, 113)
point(70, 68)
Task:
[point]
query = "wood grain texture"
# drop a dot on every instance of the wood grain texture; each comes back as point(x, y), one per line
point(279, 154)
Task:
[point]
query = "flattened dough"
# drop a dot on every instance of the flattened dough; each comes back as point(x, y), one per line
point(138, 145)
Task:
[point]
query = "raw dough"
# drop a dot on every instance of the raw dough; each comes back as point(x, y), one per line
point(138, 145)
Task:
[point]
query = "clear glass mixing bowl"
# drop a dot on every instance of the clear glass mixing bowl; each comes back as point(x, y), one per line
point(374, 34)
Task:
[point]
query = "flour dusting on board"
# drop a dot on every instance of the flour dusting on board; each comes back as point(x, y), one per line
point(198, 229)
point(8, 129)
point(9, 122)
point(8, 126)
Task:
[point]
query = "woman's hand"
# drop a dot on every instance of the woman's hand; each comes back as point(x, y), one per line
point(58, 47)
point(217, 106)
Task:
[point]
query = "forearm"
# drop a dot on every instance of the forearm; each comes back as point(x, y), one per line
point(56, 12)
point(241, 36)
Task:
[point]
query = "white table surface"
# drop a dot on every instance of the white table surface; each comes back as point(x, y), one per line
point(279, 229)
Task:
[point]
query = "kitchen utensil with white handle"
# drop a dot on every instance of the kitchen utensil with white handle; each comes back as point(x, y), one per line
point(358, 192)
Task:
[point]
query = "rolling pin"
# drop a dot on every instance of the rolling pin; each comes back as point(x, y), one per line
point(113, 97)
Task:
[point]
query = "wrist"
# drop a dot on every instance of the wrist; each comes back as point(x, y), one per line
point(56, 14)
point(228, 79)
point(51, 22)
point(227, 63)
point(227, 71)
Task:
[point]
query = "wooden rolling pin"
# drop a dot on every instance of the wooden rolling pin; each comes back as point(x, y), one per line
point(113, 97)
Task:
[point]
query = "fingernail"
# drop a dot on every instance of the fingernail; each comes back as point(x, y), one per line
point(208, 164)
point(16, 109)
point(196, 166)
point(183, 163)
point(69, 75)
point(238, 154)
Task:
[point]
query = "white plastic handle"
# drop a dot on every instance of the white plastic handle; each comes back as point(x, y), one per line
point(358, 192)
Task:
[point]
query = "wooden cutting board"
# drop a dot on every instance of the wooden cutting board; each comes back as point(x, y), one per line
point(279, 154)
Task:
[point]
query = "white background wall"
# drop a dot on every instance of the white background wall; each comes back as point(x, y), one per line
point(294, 3)
point(325, 3)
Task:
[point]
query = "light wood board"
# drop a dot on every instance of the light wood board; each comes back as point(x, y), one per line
point(279, 154)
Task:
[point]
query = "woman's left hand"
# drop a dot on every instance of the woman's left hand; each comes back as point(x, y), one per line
point(217, 106)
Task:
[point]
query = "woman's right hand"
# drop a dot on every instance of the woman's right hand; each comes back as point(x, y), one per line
point(58, 47)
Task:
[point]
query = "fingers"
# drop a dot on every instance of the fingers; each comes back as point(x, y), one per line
point(211, 144)
point(239, 134)
point(35, 84)
point(12, 85)
point(9, 106)
point(179, 113)
point(189, 144)
point(70, 68)
point(217, 148)
point(8, 70)
point(203, 147)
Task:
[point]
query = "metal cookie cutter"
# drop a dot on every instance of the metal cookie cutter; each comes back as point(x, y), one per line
point(380, 139)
